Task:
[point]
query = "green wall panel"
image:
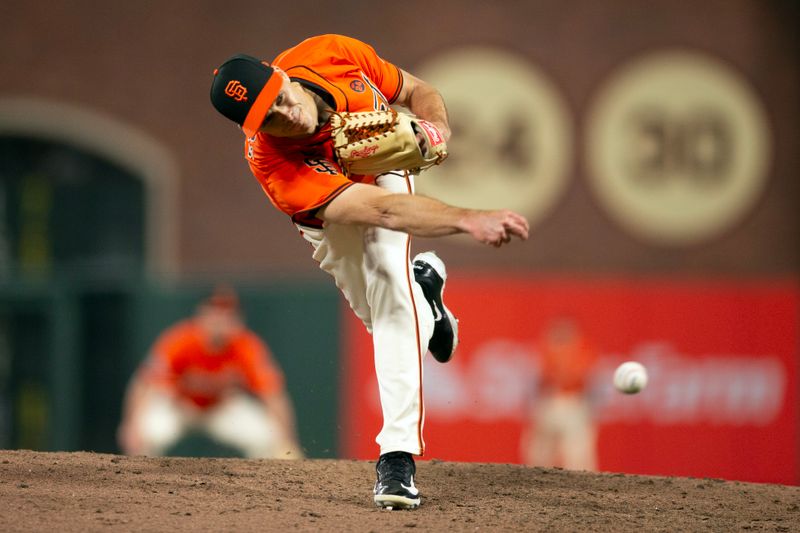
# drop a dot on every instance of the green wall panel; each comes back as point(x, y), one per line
point(62, 383)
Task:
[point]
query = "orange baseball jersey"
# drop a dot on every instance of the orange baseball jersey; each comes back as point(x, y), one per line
point(181, 360)
point(300, 176)
point(566, 366)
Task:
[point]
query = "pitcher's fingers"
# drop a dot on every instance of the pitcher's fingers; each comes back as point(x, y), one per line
point(519, 228)
point(524, 223)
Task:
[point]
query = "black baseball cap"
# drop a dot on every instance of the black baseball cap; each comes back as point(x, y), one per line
point(244, 89)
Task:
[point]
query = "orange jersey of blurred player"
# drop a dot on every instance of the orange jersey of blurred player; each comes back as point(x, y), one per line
point(567, 362)
point(301, 175)
point(184, 360)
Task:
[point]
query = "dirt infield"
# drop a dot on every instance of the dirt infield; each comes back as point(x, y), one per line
point(97, 492)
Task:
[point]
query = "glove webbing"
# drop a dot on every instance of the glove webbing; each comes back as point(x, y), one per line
point(367, 125)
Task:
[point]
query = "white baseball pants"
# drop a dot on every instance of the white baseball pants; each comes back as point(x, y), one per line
point(238, 421)
point(564, 434)
point(372, 268)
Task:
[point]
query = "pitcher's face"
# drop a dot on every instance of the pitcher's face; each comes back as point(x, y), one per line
point(293, 113)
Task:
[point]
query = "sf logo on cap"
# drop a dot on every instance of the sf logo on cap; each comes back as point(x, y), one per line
point(236, 90)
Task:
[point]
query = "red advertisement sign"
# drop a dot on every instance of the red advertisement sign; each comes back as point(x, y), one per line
point(722, 360)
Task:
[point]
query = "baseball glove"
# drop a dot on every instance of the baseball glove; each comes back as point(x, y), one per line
point(373, 142)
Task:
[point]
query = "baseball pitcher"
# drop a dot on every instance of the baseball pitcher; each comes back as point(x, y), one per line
point(295, 112)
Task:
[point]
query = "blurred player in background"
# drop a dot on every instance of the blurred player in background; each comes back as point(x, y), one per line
point(561, 429)
point(360, 226)
point(209, 373)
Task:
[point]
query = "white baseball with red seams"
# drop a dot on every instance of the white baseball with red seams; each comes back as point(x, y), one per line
point(630, 377)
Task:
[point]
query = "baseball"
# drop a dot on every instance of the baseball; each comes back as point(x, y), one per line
point(630, 377)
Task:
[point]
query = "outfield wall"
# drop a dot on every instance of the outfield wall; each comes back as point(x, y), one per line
point(722, 399)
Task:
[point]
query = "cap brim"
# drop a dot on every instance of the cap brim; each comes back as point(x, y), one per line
point(260, 108)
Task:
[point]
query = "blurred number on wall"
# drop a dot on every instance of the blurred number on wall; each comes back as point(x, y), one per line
point(512, 142)
point(696, 148)
point(678, 147)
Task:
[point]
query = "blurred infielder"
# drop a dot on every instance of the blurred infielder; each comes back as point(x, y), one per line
point(561, 429)
point(360, 225)
point(210, 373)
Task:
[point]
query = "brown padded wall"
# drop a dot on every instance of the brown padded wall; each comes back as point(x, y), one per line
point(149, 64)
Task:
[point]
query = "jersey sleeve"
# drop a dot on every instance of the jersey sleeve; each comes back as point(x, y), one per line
point(386, 76)
point(262, 374)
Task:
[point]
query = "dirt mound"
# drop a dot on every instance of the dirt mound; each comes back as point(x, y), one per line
point(42, 491)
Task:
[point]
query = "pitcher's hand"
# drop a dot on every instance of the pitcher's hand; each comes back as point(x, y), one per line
point(497, 227)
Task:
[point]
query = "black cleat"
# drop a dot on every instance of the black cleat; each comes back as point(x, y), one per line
point(395, 488)
point(431, 275)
